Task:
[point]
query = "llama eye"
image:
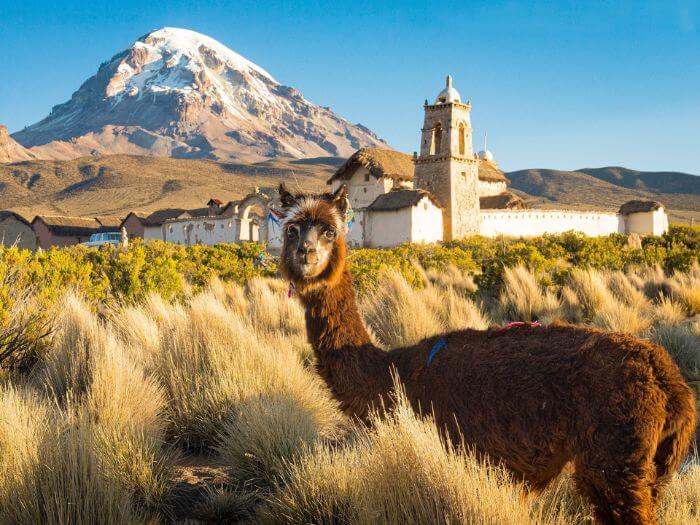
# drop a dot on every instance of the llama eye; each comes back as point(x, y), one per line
point(292, 231)
point(329, 234)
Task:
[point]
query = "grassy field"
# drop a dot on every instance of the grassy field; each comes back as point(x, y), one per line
point(203, 404)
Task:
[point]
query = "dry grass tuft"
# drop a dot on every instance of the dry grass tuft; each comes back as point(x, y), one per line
point(616, 316)
point(396, 315)
point(667, 311)
point(590, 287)
point(686, 288)
point(399, 315)
point(400, 471)
point(52, 471)
point(523, 299)
point(684, 347)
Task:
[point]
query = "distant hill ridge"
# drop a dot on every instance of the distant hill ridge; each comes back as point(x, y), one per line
point(608, 188)
point(661, 181)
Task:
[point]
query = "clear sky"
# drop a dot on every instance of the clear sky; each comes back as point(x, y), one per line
point(564, 85)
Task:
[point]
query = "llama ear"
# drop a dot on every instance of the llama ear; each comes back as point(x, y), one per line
point(286, 198)
point(340, 199)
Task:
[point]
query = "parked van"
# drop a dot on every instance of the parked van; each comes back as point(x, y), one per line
point(100, 239)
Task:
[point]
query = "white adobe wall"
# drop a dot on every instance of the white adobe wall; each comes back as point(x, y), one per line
point(487, 189)
point(426, 223)
point(355, 237)
point(384, 229)
point(275, 236)
point(361, 192)
point(208, 231)
point(153, 233)
point(647, 223)
point(531, 223)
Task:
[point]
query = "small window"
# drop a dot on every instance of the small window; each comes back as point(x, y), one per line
point(425, 205)
point(462, 137)
point(367, 177)
point(365, 190)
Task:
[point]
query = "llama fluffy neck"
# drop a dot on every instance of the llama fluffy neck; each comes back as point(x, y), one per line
point(356, 371)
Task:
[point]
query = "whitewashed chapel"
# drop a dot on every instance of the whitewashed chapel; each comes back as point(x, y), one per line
point(448, 192)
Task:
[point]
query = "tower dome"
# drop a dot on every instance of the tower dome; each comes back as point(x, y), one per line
point(485, 154)
point(449, 94)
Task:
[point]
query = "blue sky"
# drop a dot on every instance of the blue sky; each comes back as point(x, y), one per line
point(555, 84)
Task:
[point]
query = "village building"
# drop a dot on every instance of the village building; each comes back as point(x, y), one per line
point(54, 230)
point(401, 216)
point(644, 216)
point(394, 197)
point(246, 220)
point(15, 230)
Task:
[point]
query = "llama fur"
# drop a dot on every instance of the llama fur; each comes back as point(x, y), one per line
point(532, 399)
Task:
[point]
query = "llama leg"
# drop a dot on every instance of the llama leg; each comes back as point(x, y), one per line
point(669, 456)
point(621, 494)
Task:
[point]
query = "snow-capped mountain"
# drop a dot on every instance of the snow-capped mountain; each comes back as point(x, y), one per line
point(179, 93)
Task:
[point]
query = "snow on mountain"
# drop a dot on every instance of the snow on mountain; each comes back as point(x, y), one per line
point(179, 93)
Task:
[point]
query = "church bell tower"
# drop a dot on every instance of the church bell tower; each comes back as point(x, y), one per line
point(447, 166)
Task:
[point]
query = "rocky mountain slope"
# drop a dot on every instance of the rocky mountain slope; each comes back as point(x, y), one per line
point(181, 94)
point(10, 150)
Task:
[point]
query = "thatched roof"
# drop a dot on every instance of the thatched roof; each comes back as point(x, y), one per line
point(399, 166)
point(60, 225)
point(639, 207)
point(111, 222)
point(196, 212)
point(399, 199)
point(381, 163)
point(6, 214)
point(160, 216)
point(490, 172)
point(503, 201)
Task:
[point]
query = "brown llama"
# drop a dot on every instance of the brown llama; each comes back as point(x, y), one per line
point(532, 399)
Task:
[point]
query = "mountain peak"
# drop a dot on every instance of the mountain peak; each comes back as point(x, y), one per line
point(175, 92)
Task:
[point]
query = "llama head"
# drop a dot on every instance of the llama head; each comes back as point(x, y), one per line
point(314, 227)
